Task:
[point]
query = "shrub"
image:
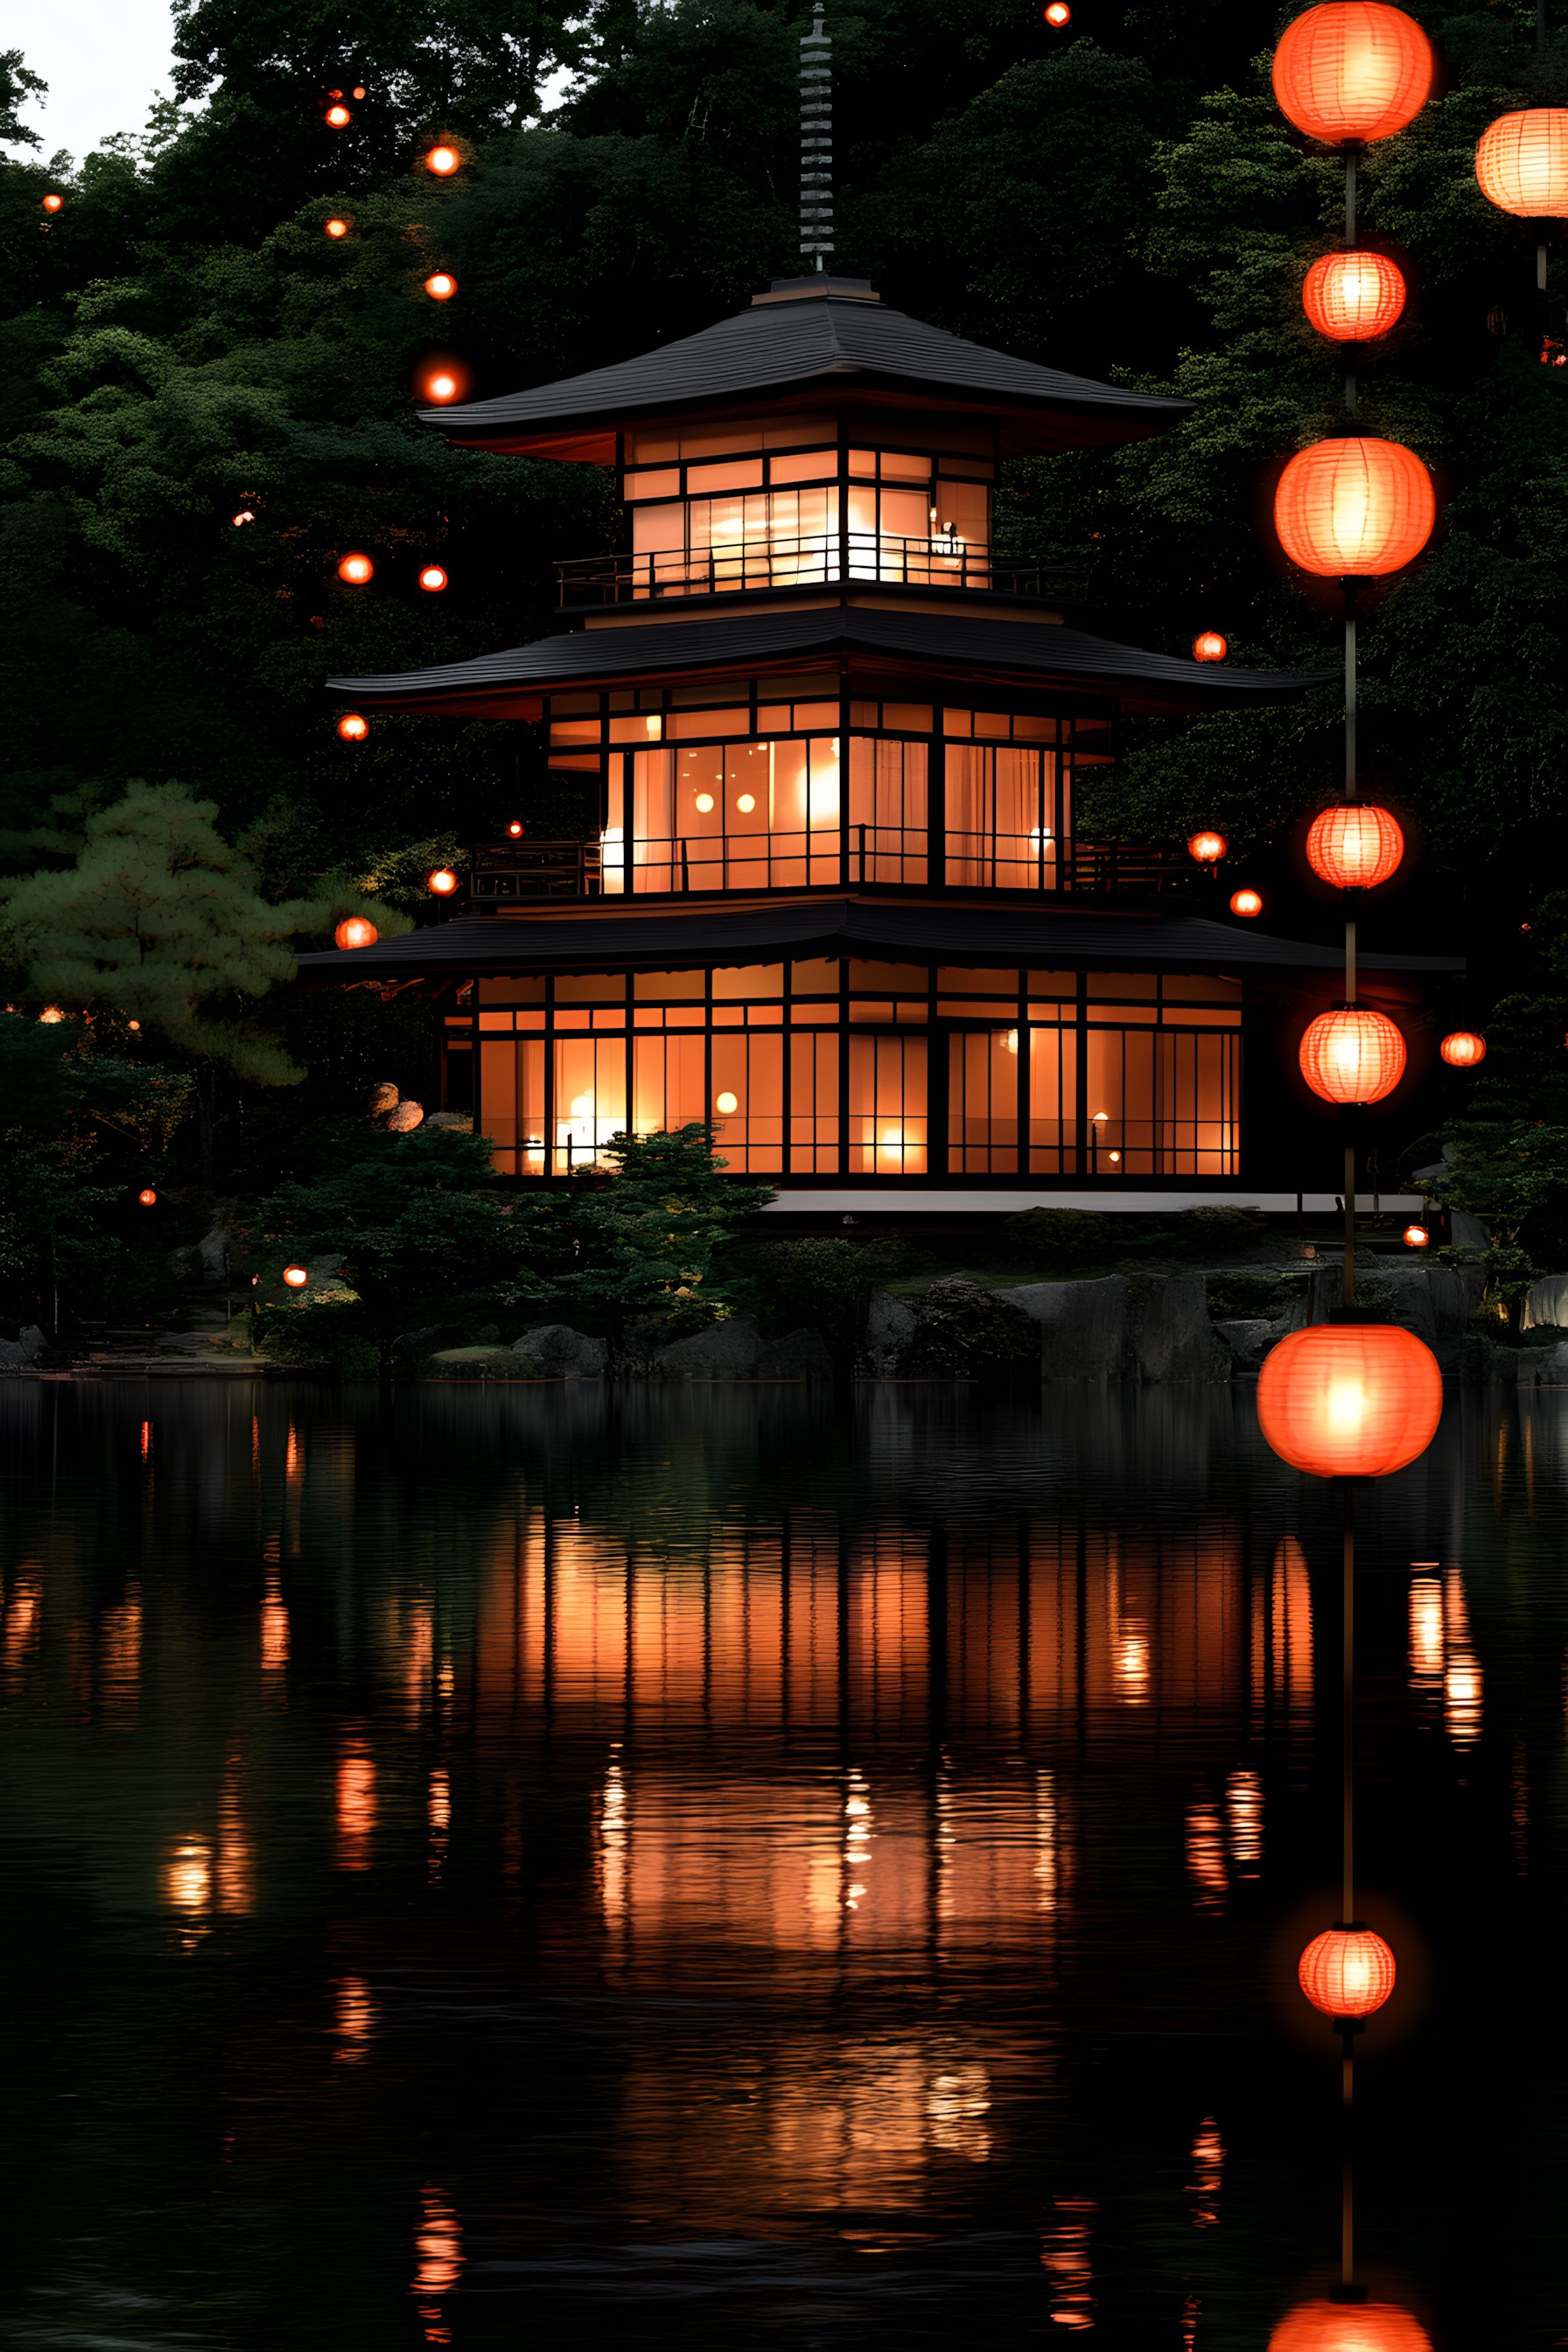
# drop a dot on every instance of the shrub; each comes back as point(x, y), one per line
point(1237, 1296)
point(1062, 1237)
point(963, 1329)
point(313, 1337)
point(1218, 1232)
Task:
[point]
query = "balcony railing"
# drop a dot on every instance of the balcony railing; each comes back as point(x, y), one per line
point(826, 556)
point(524, 873)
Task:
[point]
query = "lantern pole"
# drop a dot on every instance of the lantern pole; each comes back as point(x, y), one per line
point(1347, 1868)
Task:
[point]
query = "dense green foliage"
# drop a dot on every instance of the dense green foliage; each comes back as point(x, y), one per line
point(183, 344)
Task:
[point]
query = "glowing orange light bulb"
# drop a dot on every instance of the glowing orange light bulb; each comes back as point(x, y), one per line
point(1245, 902)
point(336, 227)
point(443, 162)
point(433, 578)
point(356, 568)
point(1208, 848)
point(296, 1276)
point(353, 728)
point(443, 882)
point(441, 286)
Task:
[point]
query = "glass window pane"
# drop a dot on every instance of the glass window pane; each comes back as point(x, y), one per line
point(887, 1106)
point(814, 1126)
point(670, 1083)
point(749, 983)
point(1053, 1126)
point(511, 1103)
point(983, 1102)
point(590, 1100)
point(747, 1107)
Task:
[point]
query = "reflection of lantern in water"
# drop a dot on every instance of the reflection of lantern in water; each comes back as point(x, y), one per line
point(188, 1877)
point(273, 1632)
point(1064, 2258)
point(439, 2244)
point(1325, 2325)
point(1205, 1856)
point(1348, 1971)
point(1208, 2162)
point(355, 2019)
point(1350, 1400)
point(355, 1807)
point(1462, 1678)
point(1244, 1808)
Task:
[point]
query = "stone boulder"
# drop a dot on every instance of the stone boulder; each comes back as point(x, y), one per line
point(1083, 1326)
point(1141, 1326)
point(890, 1326)
point(1540, 1368)
point(730, 1351)
point(409, 1347)
point(1249, 1340)
point(474, 1364)
point(796, 1356)
point(1436, 1302)
point(556, 1352)
point(1169, 1334)
point(25, 1348)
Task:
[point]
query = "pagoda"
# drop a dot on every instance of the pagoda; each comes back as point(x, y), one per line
point(836, 904)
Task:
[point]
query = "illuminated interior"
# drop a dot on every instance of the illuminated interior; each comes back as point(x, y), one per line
point(859, 1068)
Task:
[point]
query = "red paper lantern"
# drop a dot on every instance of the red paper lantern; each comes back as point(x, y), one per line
point(433, 579)
point(1325, 2325)
point(1353, 71)
point(339, 117)
point(443, 882)
point(444, 383)
point(336, 227)
point(1354, 845)
point(1208, 848)
point(515, 829)
point(53, 204)
point(1352, 1055)
point(1208, 645)
point(441, 286)
point(148, 1197)
point(1347, 1971)
point(356, 931)
point(359, 92)
point(1416, 1237)
point(1353, 298)
point(1058, 14)
point(1245, 902)
point(1354, 508)
point(1463, 1049)
point(1521, 162)
point(353, 728)
point(443, 162)
point(1350, 1400)
point(356, 568)
point(296, 1276)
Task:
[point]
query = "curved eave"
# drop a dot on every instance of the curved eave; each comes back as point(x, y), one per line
point(979, 650)
point(650, 938)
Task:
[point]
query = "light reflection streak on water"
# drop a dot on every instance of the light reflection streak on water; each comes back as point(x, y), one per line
point(438, 2244)
point(1208, 2167)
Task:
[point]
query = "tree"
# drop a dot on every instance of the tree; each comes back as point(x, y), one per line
point(651, 1238)
point(17, 84)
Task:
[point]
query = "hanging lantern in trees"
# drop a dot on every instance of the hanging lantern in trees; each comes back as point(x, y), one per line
point(443, 162)
point(441, 286)
point(432, 579)
point(336, 227)
point(1354, 508)
point(358, 92)
point(356, 931)
point(1352, 1055)
point(1352, 72)
point(1462, 1049)
point(1347, 1971)
point(338, 118)
point(1056, 14)
point(353, 728)
point(1208, 645)
point(443, 882)
point(1350, 1400)
point(296, 1276)
point(355, 568)
point(1416, 1237)
point(52, 203)
point(1325, 2325)
point(515, 830)
point(1245, 902)
point(1207, 848)
point(1521, 162)
point(445, 380)
point(147, 1197)
point(1353, 298)
point(1354, 845)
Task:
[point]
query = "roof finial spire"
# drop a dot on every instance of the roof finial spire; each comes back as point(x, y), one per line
point(816, 138)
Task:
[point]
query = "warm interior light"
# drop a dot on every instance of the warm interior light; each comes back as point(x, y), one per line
point(1352, 69)
point(443, 882)
point(356, 568)
point(1208, 645)
point(1354, 845)
point(1010, 1042)
point(147, 1197)
point(1101, 1118)
point(1354, 508)
point(1350, 1400)
point(1463, 1049)
point(1521, 162)
point(1416, 1237)
point(704, 802)
point(441, 287)
point(443, 162)
point(727, 1103)
point(1245, 902)
point(1353, 298)
point(746, 804)
point(353, 728)
point(1207, 847)
point(52, 203)
point(339, 117)
point(1352, 1055)
point(433, 578)
point(356, 931)
point(296, 1276)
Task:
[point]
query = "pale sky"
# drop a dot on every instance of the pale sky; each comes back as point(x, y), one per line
point(104, 60)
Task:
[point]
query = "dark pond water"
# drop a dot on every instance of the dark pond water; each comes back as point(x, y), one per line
point(542, 1866)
